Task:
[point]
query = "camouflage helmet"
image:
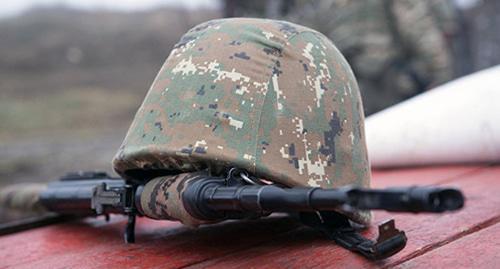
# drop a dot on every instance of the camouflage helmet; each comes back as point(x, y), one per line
point(272, 97)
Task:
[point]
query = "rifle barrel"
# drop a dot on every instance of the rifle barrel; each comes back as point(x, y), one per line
point(207, 199)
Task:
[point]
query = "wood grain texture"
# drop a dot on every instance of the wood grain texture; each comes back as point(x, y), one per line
point(308, 249)
point(477, 250)
point(95, 244)
point(271, 243)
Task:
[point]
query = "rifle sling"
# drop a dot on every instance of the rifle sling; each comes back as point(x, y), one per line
point(338, 228)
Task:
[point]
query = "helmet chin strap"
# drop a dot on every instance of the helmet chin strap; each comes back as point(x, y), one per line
point(338, 228)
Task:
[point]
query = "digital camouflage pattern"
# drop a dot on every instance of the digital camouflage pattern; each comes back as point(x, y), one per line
point(271, 97)
point(22, 197)
point(161, 198)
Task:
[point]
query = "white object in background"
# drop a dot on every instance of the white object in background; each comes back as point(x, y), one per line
point(458, 122)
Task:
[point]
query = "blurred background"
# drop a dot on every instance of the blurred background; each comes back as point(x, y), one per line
point(73, 73)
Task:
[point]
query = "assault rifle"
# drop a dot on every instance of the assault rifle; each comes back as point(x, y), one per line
point(204, 198)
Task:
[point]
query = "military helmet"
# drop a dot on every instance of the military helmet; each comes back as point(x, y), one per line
point(271, 97)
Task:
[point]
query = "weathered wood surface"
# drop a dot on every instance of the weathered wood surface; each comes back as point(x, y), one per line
point(467, 239)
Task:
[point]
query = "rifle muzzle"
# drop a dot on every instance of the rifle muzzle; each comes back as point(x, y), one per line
point(410, 199)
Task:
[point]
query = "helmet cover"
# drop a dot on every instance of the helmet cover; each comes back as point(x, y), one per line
point(271, 97)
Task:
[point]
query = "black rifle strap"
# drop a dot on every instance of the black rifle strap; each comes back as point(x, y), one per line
point(338, 228)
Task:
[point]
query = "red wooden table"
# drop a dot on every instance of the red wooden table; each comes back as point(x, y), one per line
point(466, 239)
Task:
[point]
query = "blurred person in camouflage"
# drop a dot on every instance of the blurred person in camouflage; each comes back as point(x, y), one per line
point(397, 49)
